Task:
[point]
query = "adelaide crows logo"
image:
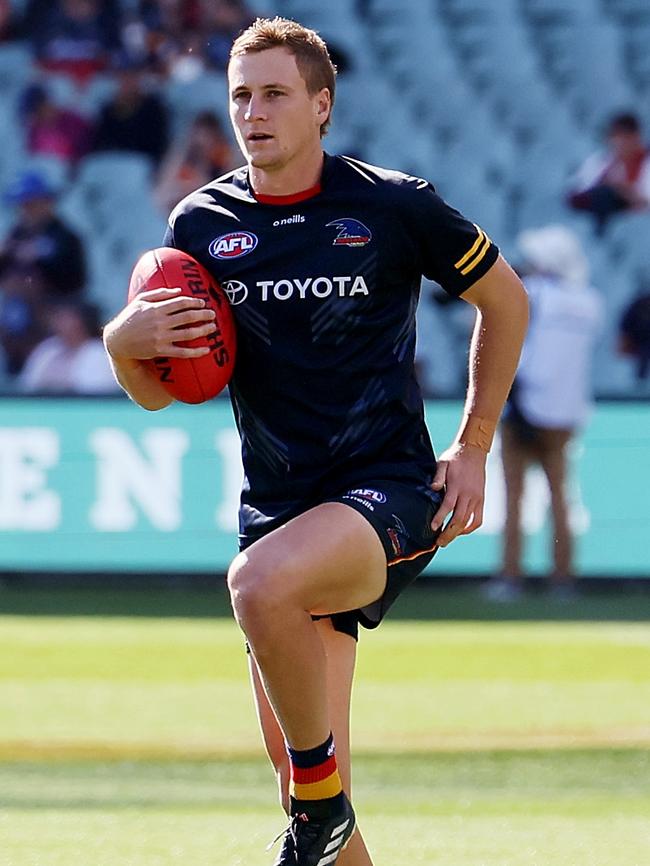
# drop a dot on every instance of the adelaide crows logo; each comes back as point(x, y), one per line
point(352, 233)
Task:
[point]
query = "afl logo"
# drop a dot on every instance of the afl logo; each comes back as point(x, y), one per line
point(237, 292)
point(234, 245)
point(366, 493)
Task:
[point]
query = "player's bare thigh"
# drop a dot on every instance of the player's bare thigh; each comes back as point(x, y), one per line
point(326, 560)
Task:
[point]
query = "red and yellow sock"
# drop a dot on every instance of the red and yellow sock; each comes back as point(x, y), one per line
point(314, 773)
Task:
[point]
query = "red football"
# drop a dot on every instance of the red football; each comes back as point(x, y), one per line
point(190, 380)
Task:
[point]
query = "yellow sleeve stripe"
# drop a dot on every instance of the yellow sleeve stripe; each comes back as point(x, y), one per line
point(478, 257)
point(476, 252)
point(470, 252)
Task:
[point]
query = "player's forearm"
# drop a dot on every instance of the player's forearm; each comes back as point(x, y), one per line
point(140, 385)
point(502, 319)
point(137, 380)
point(493, 358)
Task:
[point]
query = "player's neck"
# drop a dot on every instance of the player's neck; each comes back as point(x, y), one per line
point(295, 177)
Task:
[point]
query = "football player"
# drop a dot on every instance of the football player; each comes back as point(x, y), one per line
point(343, 502)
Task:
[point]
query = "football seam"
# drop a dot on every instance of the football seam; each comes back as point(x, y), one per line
point(197, 380)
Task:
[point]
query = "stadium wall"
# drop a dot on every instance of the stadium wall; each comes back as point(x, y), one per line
point(96, 485)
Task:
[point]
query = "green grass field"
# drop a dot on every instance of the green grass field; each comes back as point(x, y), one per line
point(127, 735)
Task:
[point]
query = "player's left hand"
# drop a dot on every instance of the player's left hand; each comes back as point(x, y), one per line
point(461, 470)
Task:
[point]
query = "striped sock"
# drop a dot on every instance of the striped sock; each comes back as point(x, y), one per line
point(315, 786)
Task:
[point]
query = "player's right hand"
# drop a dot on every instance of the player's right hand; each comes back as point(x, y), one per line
point(460, 471)
point(155, 322)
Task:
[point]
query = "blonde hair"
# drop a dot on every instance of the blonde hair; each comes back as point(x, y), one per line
point(312, 57)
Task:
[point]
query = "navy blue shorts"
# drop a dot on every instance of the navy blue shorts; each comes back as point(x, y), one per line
point(401, 515)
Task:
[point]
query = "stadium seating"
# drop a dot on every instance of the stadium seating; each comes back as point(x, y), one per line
point(186, 97)
point(628, 10)
point(110, 205)
point(496, 102)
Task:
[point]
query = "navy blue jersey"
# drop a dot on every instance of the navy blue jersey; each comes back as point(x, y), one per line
point(324, 288)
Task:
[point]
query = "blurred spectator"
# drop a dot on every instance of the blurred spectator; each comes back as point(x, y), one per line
point(634, 335)
point(4, 374)
point(551, 395)
point(221, 22)
point(165, 18)
point(72, 360)
point(162, 31)
point(39, 242)
point(52, 130)
point(182, 37)
point(133, 119)
point(204, 153)
point(75, 37)
point(9, 22)
point(41, 261)
point(618, 179)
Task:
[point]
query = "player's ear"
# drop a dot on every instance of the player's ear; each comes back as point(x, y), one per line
point(323, 105)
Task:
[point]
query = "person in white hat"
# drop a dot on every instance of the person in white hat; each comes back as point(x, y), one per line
point(550, 397)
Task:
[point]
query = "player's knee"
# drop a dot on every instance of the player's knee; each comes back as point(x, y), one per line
point(245, 594)
point(255, 591)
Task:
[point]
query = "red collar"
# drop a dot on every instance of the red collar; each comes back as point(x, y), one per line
point(294, 198)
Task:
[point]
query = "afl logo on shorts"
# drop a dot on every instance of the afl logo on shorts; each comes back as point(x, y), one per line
point(365, 493)
point(236, 291)
point(234, 245)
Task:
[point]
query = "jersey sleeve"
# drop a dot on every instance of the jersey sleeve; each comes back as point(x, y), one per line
point(174, 226)
point(454, 252)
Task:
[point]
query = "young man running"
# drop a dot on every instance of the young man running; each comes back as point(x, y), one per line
point(343, 501)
